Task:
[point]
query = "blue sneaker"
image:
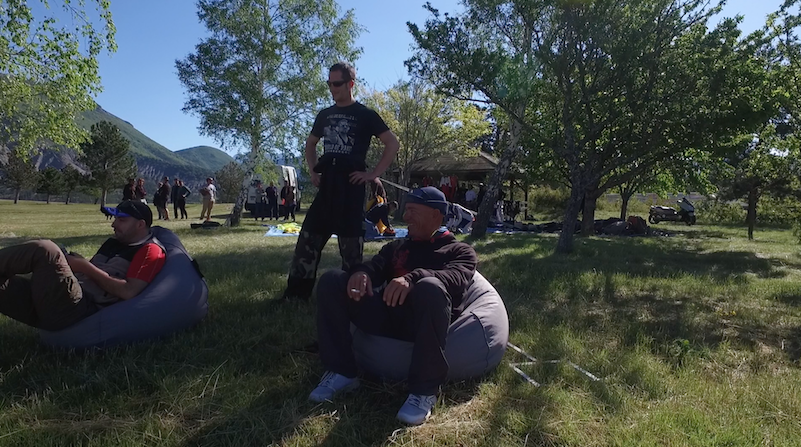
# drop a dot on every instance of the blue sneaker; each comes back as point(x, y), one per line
point(416, 409)
point(330, 384)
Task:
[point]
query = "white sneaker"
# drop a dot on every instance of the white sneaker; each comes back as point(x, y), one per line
point(330, 384)
point(416, 409)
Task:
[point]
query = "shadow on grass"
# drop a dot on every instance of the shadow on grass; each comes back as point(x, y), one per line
point(662, 299)
point(237, 378)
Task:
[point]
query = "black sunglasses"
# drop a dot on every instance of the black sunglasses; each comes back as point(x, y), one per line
point(336, 83)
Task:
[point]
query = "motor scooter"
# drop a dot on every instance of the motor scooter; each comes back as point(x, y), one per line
point(686, 213)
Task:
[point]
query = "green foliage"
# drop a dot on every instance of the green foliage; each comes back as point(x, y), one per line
point(50, 182)
point(73, 179)
point(49, 73)
point(548, 201)
point(151, 155)
point(229, 181)
point(603, 89)
point(106, 156)
point(427, 123)
point(257, 80)
point(720, 213)
point(18, 172)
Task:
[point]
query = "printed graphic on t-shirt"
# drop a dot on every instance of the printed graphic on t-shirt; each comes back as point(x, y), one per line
point(340, 134)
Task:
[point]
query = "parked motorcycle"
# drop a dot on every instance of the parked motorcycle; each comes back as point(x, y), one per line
point(686, 213)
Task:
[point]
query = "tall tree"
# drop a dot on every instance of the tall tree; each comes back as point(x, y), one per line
point(229, 180)
point(49, 73)
point(18, 172)
point(427, 123)
point(614, 86)
point(106, 156)
point(764, 167)
point(256, 81)
point(73, 179)
point(50, 182)
point(485, 54)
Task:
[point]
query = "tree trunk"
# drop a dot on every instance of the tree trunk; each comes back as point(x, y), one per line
point(624, 205)
point(527, 212)
point(250, 166)
point(588, 214)
point(67, 202)
point(48, 199)
point(565, 243)
point(103, 194)
point(590, 202)
point(750, 219)
point(16, 196)
point(496, 181)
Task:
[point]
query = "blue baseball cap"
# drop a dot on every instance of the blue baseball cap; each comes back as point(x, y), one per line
point(430, 197)
point(132, 208)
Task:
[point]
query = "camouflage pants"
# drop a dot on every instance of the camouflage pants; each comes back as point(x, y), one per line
point(308, 250)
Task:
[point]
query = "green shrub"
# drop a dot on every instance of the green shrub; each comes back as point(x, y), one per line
point(551, 202)
point(778, 212)
point(719, 213)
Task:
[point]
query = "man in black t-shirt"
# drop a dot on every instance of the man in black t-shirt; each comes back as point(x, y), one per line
point(346, 129)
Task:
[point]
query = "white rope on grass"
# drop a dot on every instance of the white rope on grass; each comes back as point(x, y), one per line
point(533, 361)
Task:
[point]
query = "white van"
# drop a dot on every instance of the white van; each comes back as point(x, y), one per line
point(286, 173)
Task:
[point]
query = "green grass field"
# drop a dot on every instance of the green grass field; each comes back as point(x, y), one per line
point(697, 339)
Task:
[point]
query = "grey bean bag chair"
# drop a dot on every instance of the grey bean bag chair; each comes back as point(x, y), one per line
point(176, 299)
point(475, 345)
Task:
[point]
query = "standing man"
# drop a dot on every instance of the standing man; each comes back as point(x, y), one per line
point(163, 195)
point(346, 129)
point(175, 197)
point(129, 190)
point(470, 198)
point(272, 201)
point(183, 193)
point(209, 193)
point(288, 198)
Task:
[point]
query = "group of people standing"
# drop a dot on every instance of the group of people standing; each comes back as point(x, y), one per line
point(177, 194)
point(267, 207)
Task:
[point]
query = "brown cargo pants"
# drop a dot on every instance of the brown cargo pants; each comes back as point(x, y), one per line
point(51, 298)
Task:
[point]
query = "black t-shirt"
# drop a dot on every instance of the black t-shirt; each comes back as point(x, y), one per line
point(347, 131)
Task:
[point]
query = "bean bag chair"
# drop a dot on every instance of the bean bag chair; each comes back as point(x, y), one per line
point(475, 345)
point(176, 299)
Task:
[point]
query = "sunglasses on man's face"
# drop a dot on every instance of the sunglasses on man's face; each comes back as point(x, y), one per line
point(336, 83)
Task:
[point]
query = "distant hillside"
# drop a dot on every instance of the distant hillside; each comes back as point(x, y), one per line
point(155, 160)
point(141, 145)
point(206, 157)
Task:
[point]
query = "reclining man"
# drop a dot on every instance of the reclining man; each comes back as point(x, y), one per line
point(64, 289)
point(379, 214)
point(408, 291)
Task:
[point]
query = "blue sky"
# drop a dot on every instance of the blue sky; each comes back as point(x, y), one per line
point(141, 86)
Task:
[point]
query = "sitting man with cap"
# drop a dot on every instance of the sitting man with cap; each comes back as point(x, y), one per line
point(66, 288)
point(408, 291)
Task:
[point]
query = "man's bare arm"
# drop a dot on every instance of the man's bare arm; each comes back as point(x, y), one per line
point(123, 288)
point(311, 158)
point(391, 147)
